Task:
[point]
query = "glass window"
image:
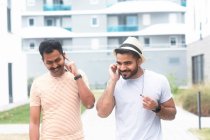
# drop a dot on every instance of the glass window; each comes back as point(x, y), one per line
point(32, 45)
point(146, 42)
point(173, 41)
point(49, 22)
point(131, 20)
point(174, 60)
point(197, 69)
point(94, 21)
point(9, 28)
point(31, 22)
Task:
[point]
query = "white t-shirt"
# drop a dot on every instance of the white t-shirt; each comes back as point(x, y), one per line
point(133, 122)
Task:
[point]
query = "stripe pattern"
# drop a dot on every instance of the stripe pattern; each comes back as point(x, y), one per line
point(60, 103)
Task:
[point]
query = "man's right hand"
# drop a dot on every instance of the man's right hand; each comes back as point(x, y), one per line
point(114, 72)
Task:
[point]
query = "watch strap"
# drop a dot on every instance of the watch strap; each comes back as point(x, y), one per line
point(77, 76)
point(157, 109)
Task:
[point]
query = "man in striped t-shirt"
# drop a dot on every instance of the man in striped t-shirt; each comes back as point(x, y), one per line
point(57, 95)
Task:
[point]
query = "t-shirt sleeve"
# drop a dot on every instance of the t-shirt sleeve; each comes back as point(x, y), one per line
point(165, 90)
point(35, 99)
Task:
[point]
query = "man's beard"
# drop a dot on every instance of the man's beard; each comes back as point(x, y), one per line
point(131, 72)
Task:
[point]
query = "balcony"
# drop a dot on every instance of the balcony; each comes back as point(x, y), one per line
point(68, 28)
point(56, 7)
point(184, 3)
point(122, 28)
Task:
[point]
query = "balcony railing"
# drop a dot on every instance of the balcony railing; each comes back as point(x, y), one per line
point(56, 7)
point(184, 3)
point(68, 28)
point(122, 28)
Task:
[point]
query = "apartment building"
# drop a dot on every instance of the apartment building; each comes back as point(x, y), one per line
point(90, 29)
point(198, 59)
point(13, 77)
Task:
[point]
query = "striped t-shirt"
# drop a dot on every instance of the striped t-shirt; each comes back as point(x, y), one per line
point(60, 104)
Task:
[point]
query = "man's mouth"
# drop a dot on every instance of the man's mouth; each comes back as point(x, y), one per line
point(55, 69)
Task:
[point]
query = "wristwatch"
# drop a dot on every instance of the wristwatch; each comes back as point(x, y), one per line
point(157, 109)
point(77, 76)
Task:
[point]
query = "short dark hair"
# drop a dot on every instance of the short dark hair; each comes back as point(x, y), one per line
point(47, 46)
point(124, 51)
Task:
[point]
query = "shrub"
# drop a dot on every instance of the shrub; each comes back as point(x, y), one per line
point(190, 103)
point(172, 82)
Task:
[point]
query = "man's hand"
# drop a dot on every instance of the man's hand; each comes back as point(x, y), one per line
point(149, 103)
point(114, 72)
point(71, 66)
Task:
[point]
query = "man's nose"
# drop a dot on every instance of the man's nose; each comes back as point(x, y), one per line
point(54, 65)
point(122, 67)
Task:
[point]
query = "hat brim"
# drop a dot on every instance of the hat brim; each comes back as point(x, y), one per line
point(131, 49)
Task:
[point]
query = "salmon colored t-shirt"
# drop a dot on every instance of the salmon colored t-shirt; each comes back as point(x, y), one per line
point(60, 104)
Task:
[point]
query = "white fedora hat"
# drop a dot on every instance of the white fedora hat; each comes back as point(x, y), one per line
point(133, 44)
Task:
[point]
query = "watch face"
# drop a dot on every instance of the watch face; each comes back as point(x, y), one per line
point(157, 109)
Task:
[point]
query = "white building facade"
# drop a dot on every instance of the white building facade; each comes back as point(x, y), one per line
point(90, 31)
point(198, 59)
point(13, 72)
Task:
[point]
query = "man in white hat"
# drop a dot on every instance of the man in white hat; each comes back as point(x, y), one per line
point(141, 97)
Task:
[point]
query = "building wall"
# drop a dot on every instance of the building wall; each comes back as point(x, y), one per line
point(87, 5)
point(38, 21)
point(85, 26)
point(84, 37)
point(95, 64)
point(19, 74)
point(168, 63)
point(163, 41)
point(89, 43)
point(198, 48)
point(34, 5)
point(11, 53)
point(198, 39)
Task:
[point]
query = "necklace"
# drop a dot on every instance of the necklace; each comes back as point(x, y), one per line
point(142, 89)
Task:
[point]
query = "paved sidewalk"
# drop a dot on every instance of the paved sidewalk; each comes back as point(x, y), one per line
point(104, 128)
point(97, 128)
point(14, 128)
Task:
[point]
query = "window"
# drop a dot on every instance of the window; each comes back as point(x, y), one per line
point(146, 19)
point(32, 45)
point(174, 60)
point(10, 82)
point(146, 42)
point(197, 69)
point(94, 21)
point(9, 28)
point(31, 22)
point(173, 41)
point(131, 20)
point(49, 22)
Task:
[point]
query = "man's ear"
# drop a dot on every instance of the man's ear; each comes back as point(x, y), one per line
point(64, 55)
point(139, 61)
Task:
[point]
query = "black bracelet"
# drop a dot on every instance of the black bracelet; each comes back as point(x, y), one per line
point(157, 109)
point(77, 76)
